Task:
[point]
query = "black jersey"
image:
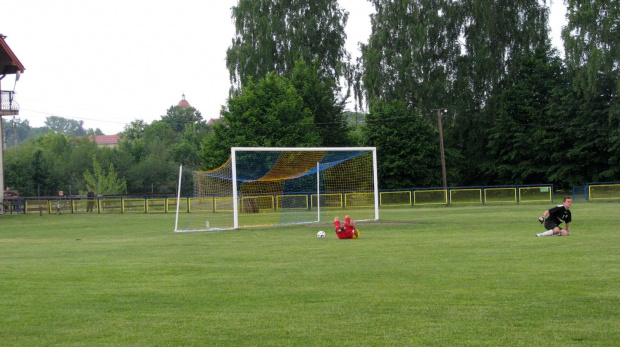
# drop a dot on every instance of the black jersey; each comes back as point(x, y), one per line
point(559, 214)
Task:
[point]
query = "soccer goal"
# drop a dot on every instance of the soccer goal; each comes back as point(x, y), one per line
point(265, 186)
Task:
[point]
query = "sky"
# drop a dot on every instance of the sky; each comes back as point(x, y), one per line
point(108, 63)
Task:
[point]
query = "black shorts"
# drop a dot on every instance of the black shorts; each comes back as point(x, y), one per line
point(550, 225)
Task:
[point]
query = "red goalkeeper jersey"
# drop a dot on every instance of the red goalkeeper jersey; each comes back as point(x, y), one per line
point(344, 231)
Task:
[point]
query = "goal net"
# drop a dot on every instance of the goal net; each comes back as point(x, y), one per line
point(279, 186)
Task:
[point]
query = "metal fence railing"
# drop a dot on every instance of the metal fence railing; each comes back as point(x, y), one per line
point(602, 191)
point(8, 106)
point(483, 195)
point(467, 195)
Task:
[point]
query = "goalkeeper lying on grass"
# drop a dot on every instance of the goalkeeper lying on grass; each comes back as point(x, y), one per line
point(553, 217)
point(346, 231)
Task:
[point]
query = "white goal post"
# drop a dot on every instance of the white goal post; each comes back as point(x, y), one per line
point(263, 186)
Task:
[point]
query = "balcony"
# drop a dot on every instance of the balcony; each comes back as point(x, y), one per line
point(8, 106)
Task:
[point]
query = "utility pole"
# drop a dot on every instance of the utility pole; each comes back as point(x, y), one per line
point(15, 132)
point(441, 149)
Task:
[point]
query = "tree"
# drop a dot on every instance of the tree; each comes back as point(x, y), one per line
point(179, 117)
point(271, 35)
point(155, 173)
point(13, 127)
point(319, 95)
point(267, 113)
point(592, 42)
point(107, 183)
point(94, 132)
point(497, 36)
point(408, 145)
point(592, 46)
point(185, 152)
point(19, 169)
point(523, 135)
point(39, 173)
point(134, 130)
point(79, 159)
point(132, 140)
point(160, 131)
point(411, 52)
point(55, 149)
point(69, 127)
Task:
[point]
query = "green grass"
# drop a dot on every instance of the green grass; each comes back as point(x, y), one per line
point(455, 276)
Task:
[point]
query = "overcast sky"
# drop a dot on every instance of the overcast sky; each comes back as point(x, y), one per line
point(108, 63)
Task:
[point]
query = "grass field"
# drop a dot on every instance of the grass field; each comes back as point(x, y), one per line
point(455, 276)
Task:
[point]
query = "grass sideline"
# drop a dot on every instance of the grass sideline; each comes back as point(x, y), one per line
point(455, 276)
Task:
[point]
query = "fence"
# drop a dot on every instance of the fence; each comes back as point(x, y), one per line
point(467, 195)
point(598, 191)
point(388, 198)
point(101, 205)
point(403, 197)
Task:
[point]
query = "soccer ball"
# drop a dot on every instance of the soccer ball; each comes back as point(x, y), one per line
point(320, 234)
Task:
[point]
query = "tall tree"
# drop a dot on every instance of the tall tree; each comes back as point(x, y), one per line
point(407, 70)
point(69, 127)
point(497, 35)
point(320, 97)
point(268, 113)
point(180, 116)
point(185, 152)
point(407, 143)
point(14, 127)
point(104, 182)
point(592, 41)
point(410, 54)
point(525, 132)
point(592, 46)
point(271, 35)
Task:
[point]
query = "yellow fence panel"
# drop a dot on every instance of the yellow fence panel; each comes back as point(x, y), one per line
point(171, 205)
point(532, 194)
point(328, 200)
point(466, 196)
point(292, 201)
point(430, 197)
point(111, 205)
point(494, 195)
point(203, 204)
point(157, 205)
point(604, 191)
point(37, 206)
point(352, 200)
point(395, 198)
point(134, 205)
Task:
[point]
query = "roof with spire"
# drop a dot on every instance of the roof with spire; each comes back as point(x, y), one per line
point(183, 103)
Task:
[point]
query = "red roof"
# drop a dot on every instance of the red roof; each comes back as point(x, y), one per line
point(106, 140)
point(9, 64)
point(184, 103)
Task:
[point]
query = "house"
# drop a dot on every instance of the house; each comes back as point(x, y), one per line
point(106, 140)
point(9, 65)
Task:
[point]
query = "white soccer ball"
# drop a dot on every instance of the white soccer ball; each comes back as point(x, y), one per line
point(320, 234)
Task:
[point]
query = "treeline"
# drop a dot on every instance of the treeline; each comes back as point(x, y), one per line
point(513, 110)
point(146, 159)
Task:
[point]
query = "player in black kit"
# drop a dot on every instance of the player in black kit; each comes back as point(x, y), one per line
point(553, 217)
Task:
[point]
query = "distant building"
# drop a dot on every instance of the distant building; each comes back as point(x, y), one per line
point(9, 65)
point(106, 140)
point(184, 103)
